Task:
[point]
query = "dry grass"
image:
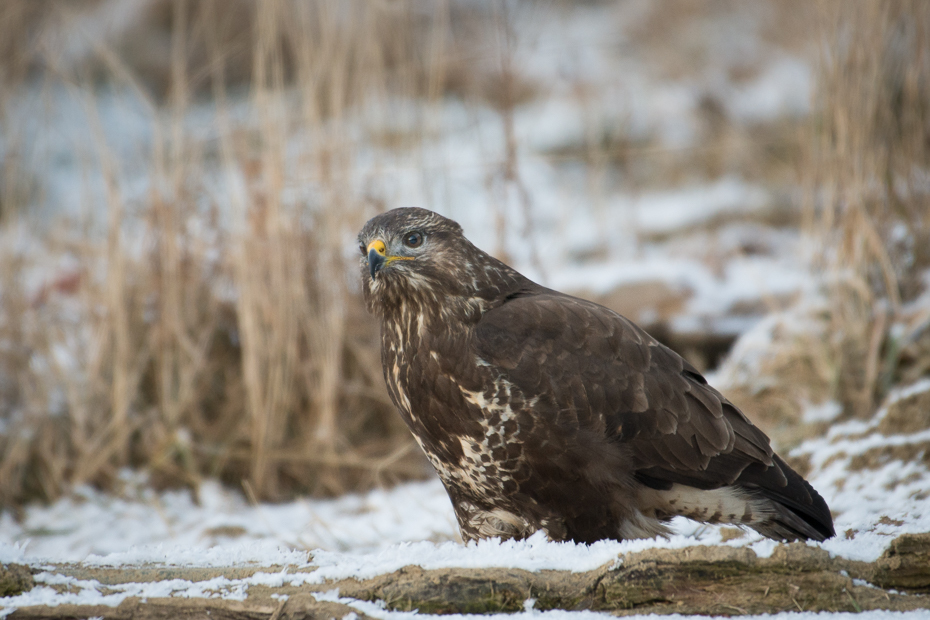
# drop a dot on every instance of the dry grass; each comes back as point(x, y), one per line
point(690, 39)
point(871, 204)
point(207, 327)
point(868, 211)
point(206, 332)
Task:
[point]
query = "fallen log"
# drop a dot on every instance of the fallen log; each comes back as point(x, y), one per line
point(716, 580)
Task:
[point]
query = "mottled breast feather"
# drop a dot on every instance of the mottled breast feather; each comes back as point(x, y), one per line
point(542, 411)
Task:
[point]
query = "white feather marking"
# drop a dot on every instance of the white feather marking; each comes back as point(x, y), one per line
point(723, 505)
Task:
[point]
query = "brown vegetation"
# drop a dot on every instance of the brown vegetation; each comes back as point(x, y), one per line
point(872, 204)
point(210, 329)
point(221, 336)
point(868, 212)
point(213, 326)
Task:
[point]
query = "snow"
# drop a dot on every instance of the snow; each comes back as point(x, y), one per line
point(583, 235)
point(356, 535)
point(88, 591)
point(533, 554)
point(364, 535)
point(665, 212)
point(295, 568)
point(170, 528)
point(872, 505)
point(378, 532)
point(918, 387)
point(783, 89)
point(261, 552)
point(824, 412)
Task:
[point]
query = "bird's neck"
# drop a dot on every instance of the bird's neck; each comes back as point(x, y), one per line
point(435, 324)
point(450, 305)
point(413, 316)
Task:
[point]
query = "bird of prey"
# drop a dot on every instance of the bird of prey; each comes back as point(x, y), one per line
point(542, 411)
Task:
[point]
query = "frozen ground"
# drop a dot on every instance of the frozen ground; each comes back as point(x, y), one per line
point(366, 535)
point(174, 527)
point(710, 238)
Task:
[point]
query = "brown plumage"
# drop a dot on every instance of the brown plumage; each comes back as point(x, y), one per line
point(541, 411)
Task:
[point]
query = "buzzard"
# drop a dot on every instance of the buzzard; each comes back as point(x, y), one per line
point(542, 411)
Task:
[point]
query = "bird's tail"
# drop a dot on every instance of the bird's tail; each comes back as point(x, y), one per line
point(775, 501)
point(792, 509)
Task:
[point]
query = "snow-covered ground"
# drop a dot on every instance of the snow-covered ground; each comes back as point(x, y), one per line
point(713, 240)
point(218, 527)
point(379, 532)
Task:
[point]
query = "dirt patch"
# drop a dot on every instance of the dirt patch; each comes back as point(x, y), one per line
point(876, 458)
point(907, 415)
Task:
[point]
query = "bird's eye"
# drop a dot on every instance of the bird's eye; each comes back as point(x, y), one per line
point(413, 240)
point(361, 248)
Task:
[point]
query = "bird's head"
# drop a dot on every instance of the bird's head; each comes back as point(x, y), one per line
point(415, 255)
point(408, 250)
point(404, 242)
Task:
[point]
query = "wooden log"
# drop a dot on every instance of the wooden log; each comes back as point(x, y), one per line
point(698, 580)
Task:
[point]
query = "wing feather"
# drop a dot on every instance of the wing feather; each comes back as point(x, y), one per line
point(608, 372)
point(601, 373)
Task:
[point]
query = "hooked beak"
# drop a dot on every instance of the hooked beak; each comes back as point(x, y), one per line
point(377, 257)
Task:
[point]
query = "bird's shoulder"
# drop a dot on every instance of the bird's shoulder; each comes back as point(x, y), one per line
point(540, 329)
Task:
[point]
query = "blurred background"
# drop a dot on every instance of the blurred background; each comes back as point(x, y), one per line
point(181, 182)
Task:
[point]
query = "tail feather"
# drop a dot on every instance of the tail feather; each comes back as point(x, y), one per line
point(773, 500)
point(797, 511)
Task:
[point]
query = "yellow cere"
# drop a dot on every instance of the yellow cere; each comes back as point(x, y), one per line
point(378, 246)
